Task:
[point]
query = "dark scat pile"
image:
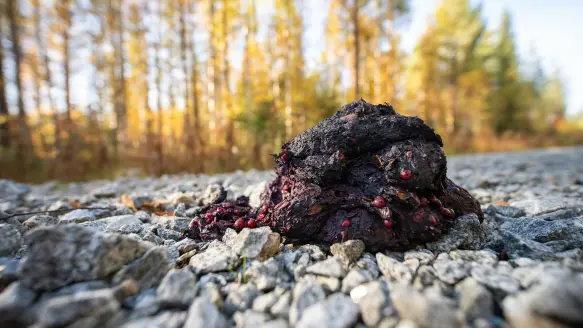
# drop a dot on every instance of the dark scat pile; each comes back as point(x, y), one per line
point(366, 173)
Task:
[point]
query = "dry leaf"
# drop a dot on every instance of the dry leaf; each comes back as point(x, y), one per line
point(128, 202)
point(315, 209)
point(401, 195)
point(502, 203)
point(74, 204)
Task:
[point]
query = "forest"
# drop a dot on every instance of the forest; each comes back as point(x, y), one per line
point(213, 86)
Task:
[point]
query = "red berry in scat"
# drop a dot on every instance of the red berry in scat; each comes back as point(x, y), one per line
point(341, 156)
point(405, 174)
point(409, 154)
point(251, 224)
point(236, 212)
point(388, 224)
point(286, 188)
point(432, 219)
point(284, 157)
point(193, 223)
point(423, 201)
point(220, 211)
point(227, 205)
point(345, 224)
point(435, 200)
point(239, 224)
point(261, 217)
point(264, 208)
point(209, 217)
point(418, 216)
point(379, 202)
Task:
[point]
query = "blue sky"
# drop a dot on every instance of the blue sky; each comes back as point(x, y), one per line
point(554, 29)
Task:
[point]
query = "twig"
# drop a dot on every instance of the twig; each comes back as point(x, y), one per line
point(56, 211)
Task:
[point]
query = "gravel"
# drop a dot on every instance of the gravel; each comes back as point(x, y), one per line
point(521, 267)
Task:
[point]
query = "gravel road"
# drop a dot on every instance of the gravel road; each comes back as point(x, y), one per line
point(94, 257)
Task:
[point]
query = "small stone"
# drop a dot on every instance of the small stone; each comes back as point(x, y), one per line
point(180, 210)
point(331, 267)
point(271, 246)
point(263, 303)
point(10, 190)
point(111, 224)
point(475, 300)
point(203, 314)
point(10, 239)
point(393, 269)
point(537, 206)
point(210, 292)
point(77, 216)
point(450, 272)
point(483, 256)
point(336, 311)
point(500, 284)
point(315, 252)
point(217, 257)
point(373, 299)
point(147, 270)
point(543, 231)
point(177, 289)
point(62, 255)
point(166, 319)
point(348, 252)
point(466, 233)
point(355, 277)
point(429, 312)
point(250, 319)
point(277, 323)
point(185, 258)
point(240, 299)
point(40, 220)
point(151, 237)
point(132, 228)
point(306, 293)
point(65, 310)
point(423, 255)
point(267, 275)
point(554, 303)
point(250, 242)
point(15, 300)
point(282, 307)
point(168, 234)
point(213, 194)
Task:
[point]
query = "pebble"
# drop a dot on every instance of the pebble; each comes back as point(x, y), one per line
point(305, 294)
point(204, 314)
point(331, 267)
point(10, 240)
point(336, 311)
point(348, 252)
point(148, 270)
point(217, 257)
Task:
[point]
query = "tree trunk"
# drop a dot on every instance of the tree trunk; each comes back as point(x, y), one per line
point(123, 115)
point(356, 35)
point(229, 136)
point(187, 126)
point(158, 65)
point(67, 151)
point(199, 145)
point(288, 73)
point(24, 144)
point(4, 118)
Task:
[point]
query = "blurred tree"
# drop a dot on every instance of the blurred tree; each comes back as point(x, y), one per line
point(4, 117)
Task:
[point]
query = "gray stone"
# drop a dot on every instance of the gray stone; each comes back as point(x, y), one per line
point(374, 301)
point(554, 303)
point(40, 220)
point(211, 292)
point(507, 211)
point(10, 190)
point(64, 310)
point(429, 312)
point(63, 255)
point(501, 284)
point(543, 231)
point(168, 234)
point(152, 238)
point(254, 193)
point(282, 307)
point(264, 302)
point(132, 228)
point(107, 190)
point(240, 299)
point(177, 289)
point(475, 300)
point(180, 210)
point(111, 224)
point(336, 311)
point(368, 262)
point(166, 319)
point(77, 216)
point(9, 268)
point(423, 255)
point(214, 193)
point(204, 314)
point(148, 270)
point(175, 223)
point(217, 257)
point(348, 252)
point(466, 233)
point(450, 272)
point(229, 237)
point(355, 277)
point(15, 300)
point(537, 206)
point(393, 269)
point(306, 293)
point(425, 276)
point(249, 242)
point(277, 323)
point(483, 256)
point(250, 319)
point(315, 252)
point(10, 239)
point(267, 275)
point(519, 247)
point(331, 267)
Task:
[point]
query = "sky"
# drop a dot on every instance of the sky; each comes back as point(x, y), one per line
point(554, 29)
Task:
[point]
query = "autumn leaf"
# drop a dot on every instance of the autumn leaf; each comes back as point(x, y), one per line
point(502, 203)
point(74, 204)
point(128, 202)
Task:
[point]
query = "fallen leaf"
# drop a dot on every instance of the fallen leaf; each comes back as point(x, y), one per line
point(502, 203)
point(315, 209)
point(128, 202)
point(74, 204)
